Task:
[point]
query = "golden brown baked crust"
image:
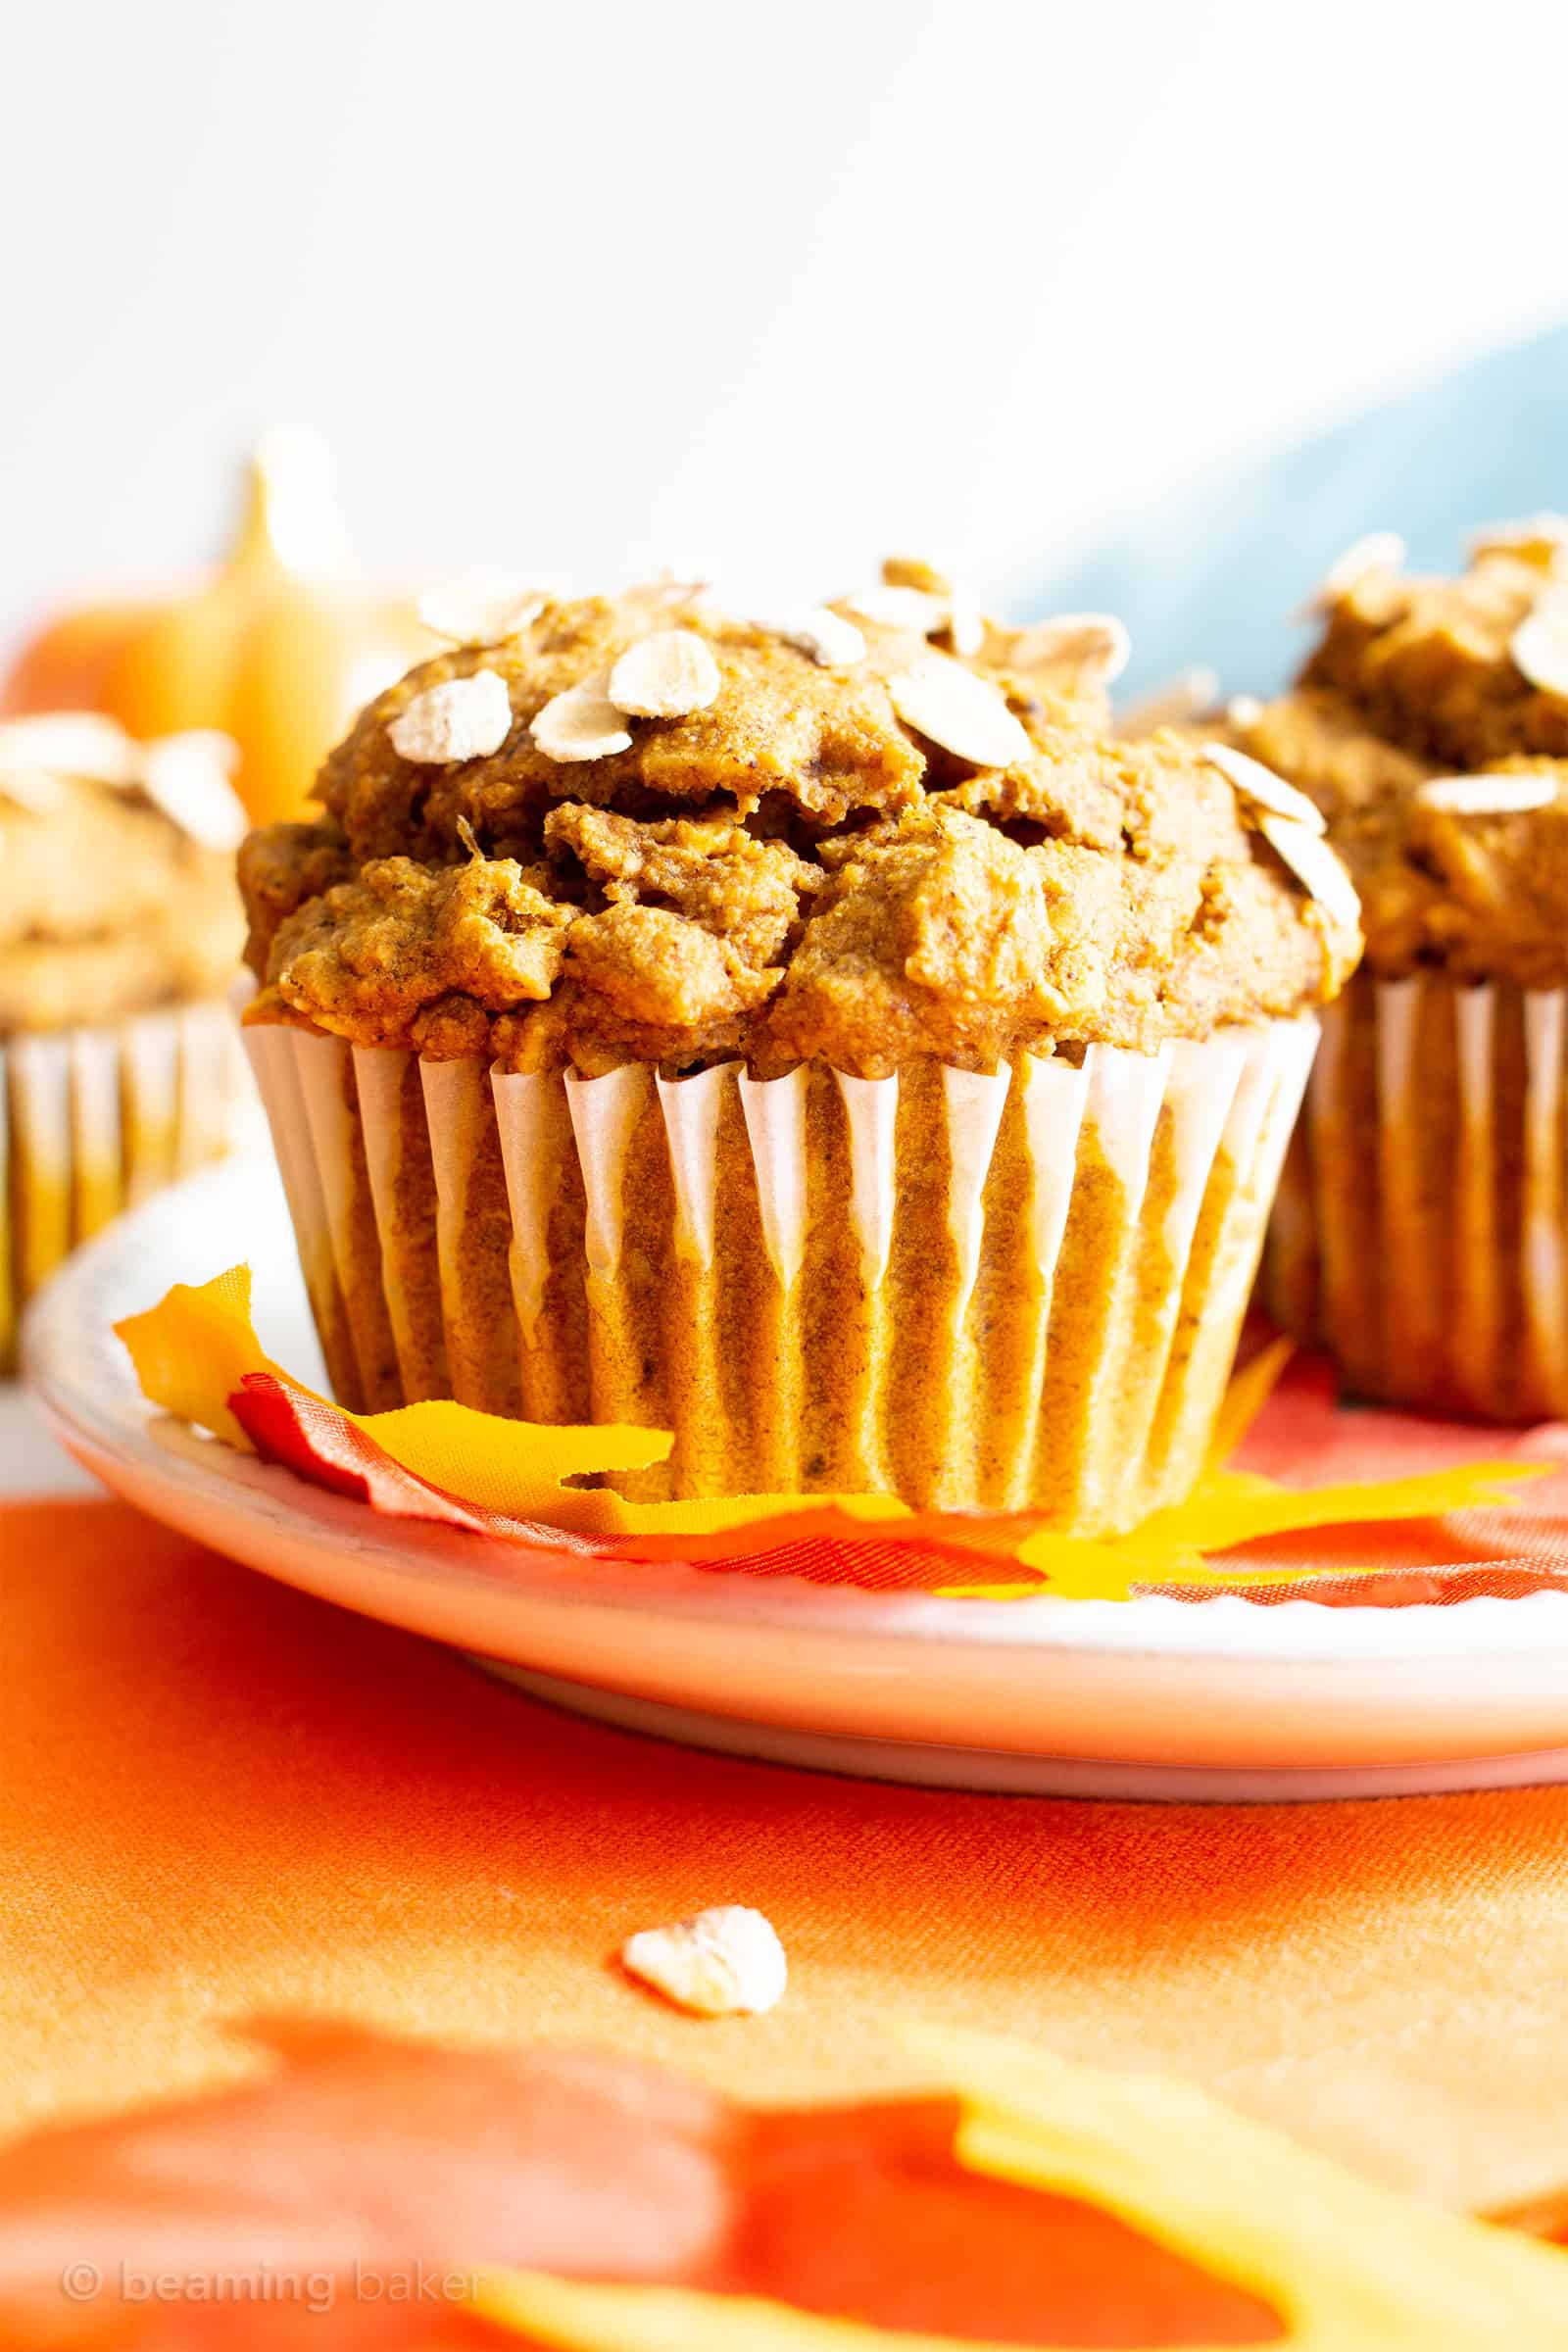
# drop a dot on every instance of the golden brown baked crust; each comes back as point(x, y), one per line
point(1427, 662)
point(794, 870)
point(1413, 682)
point(108, 905)
point(280, 869)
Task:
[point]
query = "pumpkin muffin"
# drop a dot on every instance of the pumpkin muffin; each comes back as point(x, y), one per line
point(120, 933)
point(1422, 1228)
point(815, 1036)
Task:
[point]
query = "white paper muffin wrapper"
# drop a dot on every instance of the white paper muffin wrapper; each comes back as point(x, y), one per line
point(93, 1120)
point(571, 1259)
point(1421, 1229)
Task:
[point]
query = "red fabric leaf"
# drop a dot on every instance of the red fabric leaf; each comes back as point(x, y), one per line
point(321, 1443)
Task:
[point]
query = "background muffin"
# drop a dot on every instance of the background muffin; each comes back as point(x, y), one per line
point(1423, 1222)
point(119, 931)
point(817, 1038)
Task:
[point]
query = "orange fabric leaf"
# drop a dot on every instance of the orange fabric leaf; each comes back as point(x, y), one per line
point(363, 2158)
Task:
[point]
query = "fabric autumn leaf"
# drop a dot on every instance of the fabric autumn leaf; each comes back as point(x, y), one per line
point(1343, 2265)
point(360, 2152)
point(1228, 1507)
point(582, 2166)
point(600, 2204)
point(197, 1355)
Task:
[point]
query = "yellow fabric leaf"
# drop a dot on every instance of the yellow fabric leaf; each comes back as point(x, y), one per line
point(516, 1467)
point(1236, 1507)
point(512, 1466)
point(1349, 2265)
point(192, 1350)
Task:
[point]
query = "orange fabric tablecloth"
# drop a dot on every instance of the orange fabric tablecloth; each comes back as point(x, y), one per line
point(220, 1797)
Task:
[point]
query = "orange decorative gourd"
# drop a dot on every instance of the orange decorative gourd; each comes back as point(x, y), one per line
point(279, 647)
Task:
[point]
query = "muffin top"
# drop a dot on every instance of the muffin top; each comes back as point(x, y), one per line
point(1431, 728)
point(1464, 672)
point(116, 890)
point(640, 828)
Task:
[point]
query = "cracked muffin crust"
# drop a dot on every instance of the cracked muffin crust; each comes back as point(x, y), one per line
point(1443, 666)
point(639, 830)
point(1430, 726)
point(116, 890)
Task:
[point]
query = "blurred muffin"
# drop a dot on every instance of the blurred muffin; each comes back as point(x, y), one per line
point(1422, 1228)
point(815, 1037)
point(119, 931)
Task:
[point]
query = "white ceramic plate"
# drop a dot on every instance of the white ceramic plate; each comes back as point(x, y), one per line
point(1149, 1698)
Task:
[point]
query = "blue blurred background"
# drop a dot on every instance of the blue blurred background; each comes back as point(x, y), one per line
point(1216, 574)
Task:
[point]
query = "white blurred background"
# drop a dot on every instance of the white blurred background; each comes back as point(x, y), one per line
point(579, 289)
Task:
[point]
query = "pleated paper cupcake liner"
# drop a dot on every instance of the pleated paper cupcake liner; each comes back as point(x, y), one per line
point(1014, 1290)
point(93, 1120)
point(1421, 1232)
